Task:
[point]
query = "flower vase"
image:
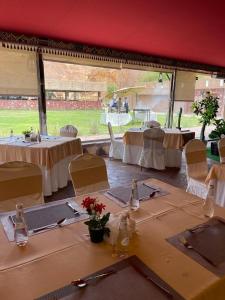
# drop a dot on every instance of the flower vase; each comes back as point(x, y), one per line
point(96, 234)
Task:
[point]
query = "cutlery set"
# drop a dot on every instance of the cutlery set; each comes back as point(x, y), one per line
point(187, 245)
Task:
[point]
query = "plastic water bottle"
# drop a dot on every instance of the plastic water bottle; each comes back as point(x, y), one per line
point(21, 232)
point(134, 199)
point(208, 206)
point(11, 133)
point(123, 240)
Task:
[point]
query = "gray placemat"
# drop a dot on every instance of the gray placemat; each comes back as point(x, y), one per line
point(44, 214)
point(208, 244)
point(145, 192)
point(132, 281)
point(47, 216)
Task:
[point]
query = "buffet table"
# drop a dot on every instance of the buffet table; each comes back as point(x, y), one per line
point(54, 258)
point(52, 155)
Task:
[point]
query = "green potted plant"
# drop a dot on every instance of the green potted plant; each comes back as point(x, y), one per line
point(219, 130)
point(96, 223)
point(216, 134)
point(27, 134)
point(206, 109)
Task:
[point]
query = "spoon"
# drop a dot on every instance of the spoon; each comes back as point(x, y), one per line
point(58, 224)
point(84, 282)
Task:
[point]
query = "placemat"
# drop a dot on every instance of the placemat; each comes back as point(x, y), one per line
point(38, 217)
point(121, 194)
point(47, 215)
point(208, 244)
point(132, 280)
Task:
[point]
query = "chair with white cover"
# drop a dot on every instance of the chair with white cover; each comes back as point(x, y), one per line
point(88, 173)
point(20, 182)
point(216, 179)
point(68, 131)
point(221, 148)
point(117, 147)
point(152, 124)
point(196, 168)
point(153, 153)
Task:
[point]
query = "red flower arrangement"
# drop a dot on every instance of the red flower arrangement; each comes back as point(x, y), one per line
point(95, 209)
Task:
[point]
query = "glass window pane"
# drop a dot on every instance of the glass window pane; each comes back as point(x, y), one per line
point(88, 97)
point(18, 113)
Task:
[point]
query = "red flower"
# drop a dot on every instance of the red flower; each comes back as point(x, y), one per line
point(88, 201)
point(99, 207)
point(92, 206)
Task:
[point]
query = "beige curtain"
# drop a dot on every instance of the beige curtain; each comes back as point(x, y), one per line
point(18, 72)
point(185, 86)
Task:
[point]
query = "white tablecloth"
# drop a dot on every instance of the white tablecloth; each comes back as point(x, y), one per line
point(115, 119)
point(52, 155)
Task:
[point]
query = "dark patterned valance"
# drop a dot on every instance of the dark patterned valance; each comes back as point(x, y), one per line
point(127, 59)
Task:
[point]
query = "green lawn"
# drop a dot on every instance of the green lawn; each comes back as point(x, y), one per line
point(87, 122)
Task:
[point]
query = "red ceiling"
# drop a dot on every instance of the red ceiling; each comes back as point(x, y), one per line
point(192, 30)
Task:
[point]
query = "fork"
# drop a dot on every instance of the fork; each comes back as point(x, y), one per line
point(201, 226)
point(186, 244)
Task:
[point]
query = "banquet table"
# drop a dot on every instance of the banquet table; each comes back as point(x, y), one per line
point(174, 141)
point(54, 258)
point(52, 155)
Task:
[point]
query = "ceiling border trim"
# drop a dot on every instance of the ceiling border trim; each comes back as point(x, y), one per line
point(45, 45)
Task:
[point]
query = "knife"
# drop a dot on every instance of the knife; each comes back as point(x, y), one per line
point(73, 209)
point(57, 224)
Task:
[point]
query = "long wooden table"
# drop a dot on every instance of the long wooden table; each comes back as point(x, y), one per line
point(54, 258)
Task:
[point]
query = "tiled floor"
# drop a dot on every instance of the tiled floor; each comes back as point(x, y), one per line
point(122, 174)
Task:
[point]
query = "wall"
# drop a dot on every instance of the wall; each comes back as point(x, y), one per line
point(52, 104)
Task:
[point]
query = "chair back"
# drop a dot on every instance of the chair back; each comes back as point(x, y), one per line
point(111, 132)
point(68, 131)
point(152, 124)
point(196, 160)
point(88, 174)
point(20, 182)
point(153, 135)
point(221, 148)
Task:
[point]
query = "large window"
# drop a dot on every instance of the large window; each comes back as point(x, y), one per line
point(189, 120)
point(90, 97)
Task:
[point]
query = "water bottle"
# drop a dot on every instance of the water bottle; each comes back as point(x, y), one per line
point(208, 206)
point(134, 199)
point(11, 133)
point(21, 232)
point(123, 240)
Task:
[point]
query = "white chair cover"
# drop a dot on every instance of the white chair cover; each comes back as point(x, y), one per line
point(216, 177)
point(221, 148)
point(20, 182)
point(153, 153)
point(88, 174)
point(152, 124)
point(117, 147)
point(196, 167)
point(69, 131)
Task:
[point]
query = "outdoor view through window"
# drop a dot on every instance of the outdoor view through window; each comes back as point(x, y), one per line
point(89, 97)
